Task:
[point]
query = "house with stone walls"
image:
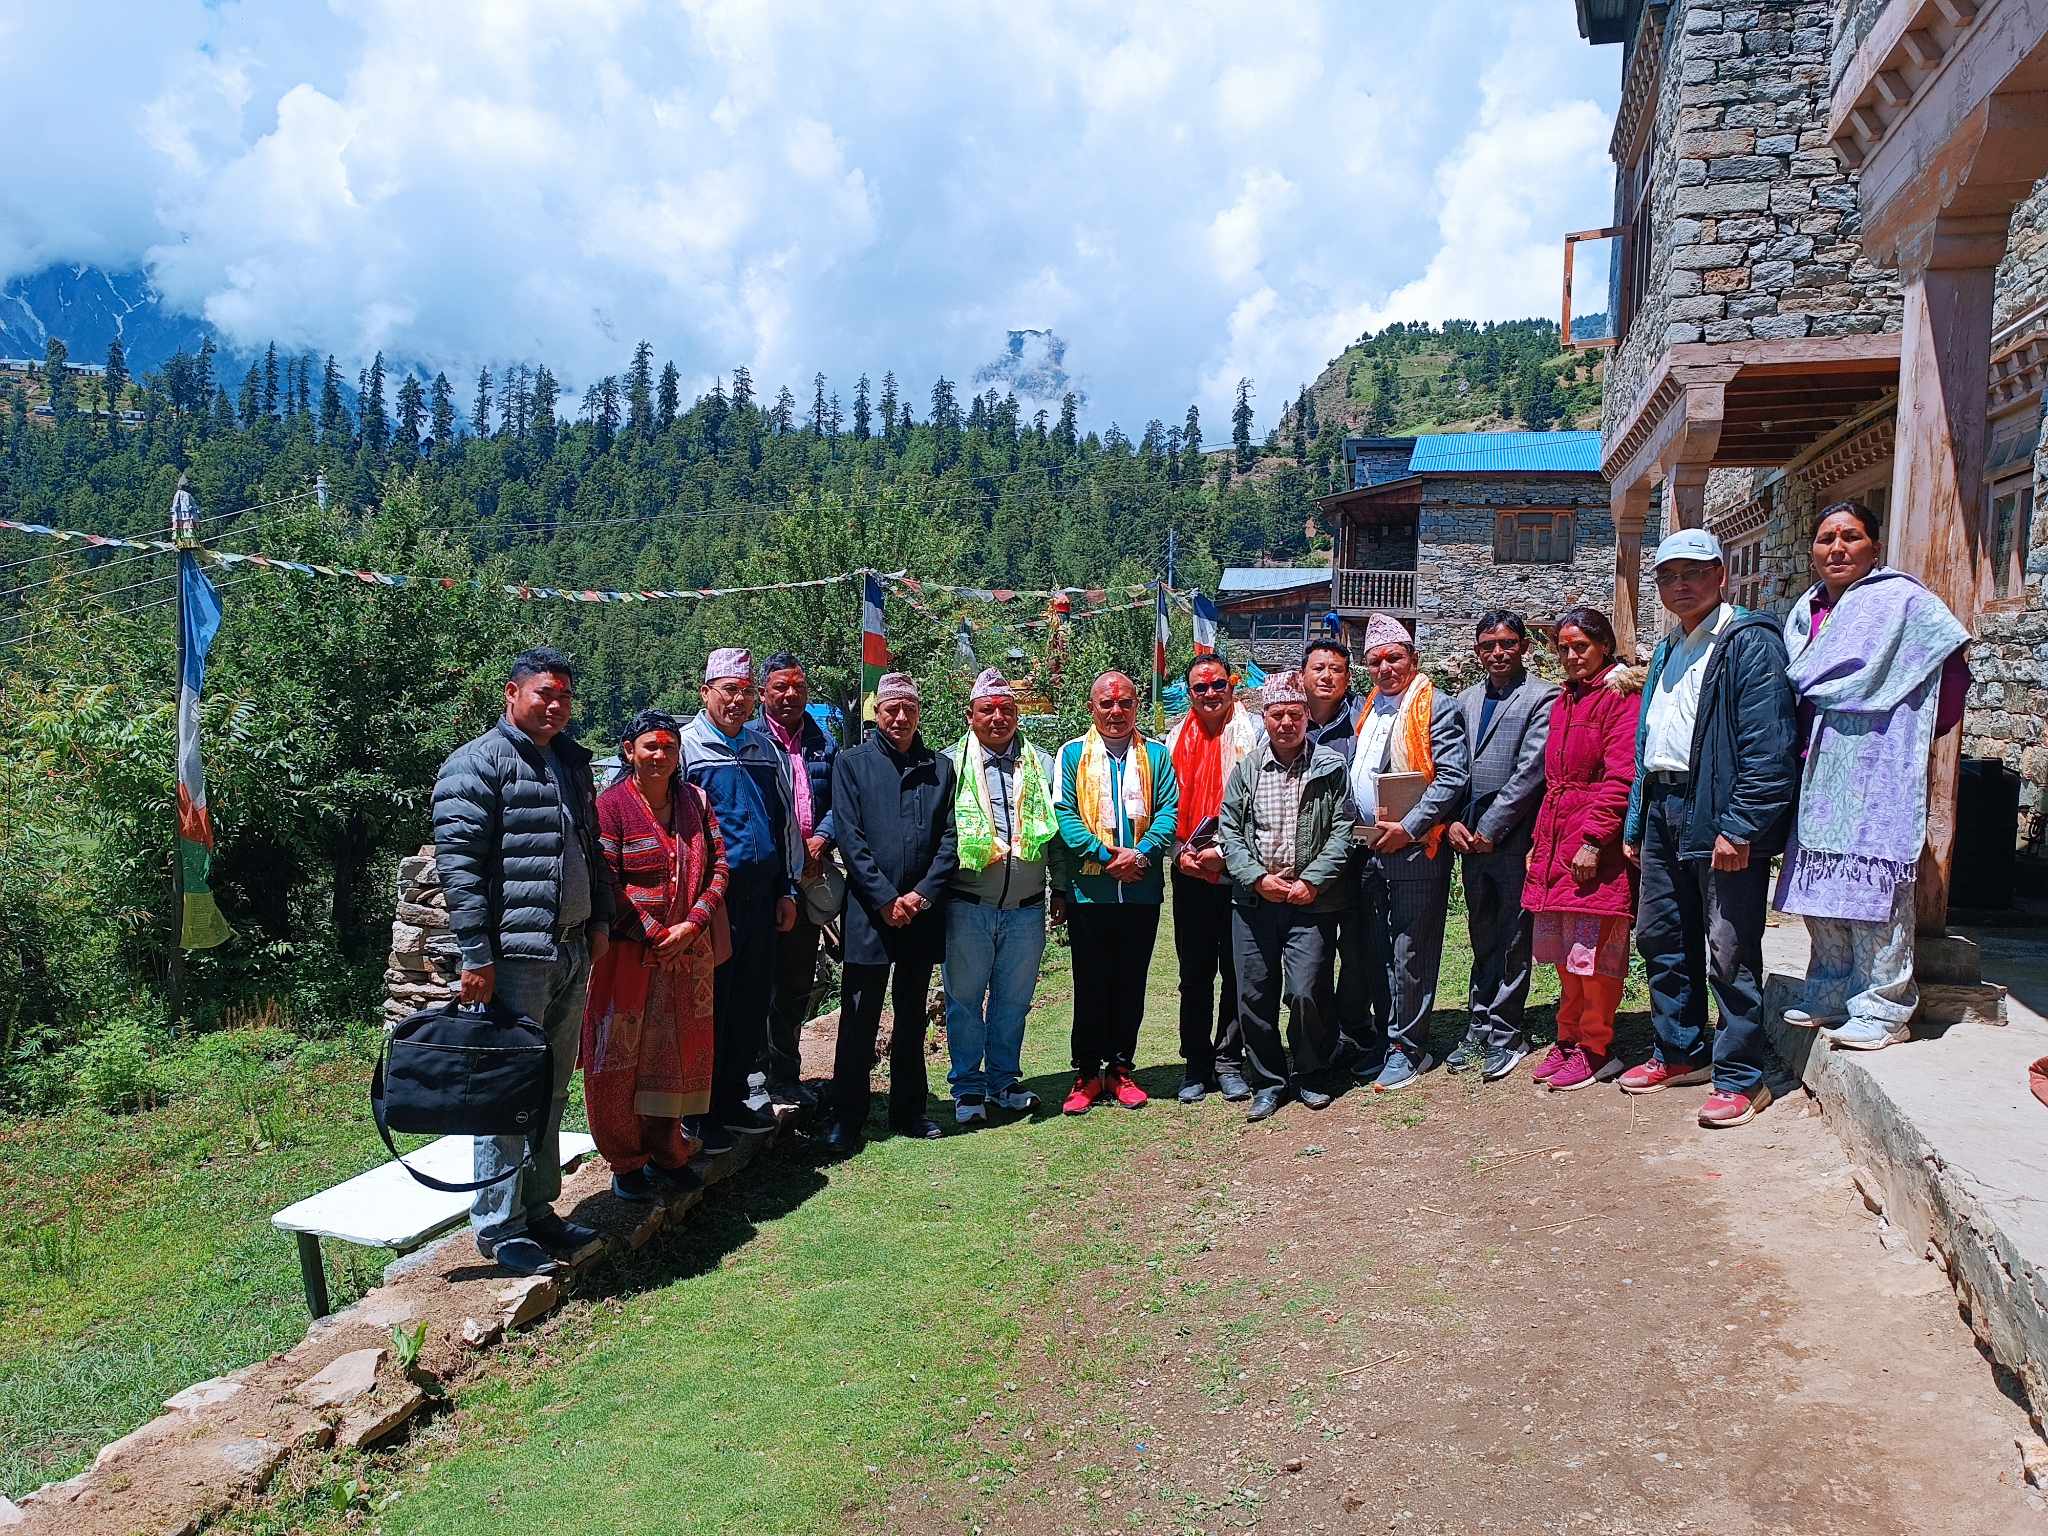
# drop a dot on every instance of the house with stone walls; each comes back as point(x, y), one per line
point(1437, 529)
point(1829, 279)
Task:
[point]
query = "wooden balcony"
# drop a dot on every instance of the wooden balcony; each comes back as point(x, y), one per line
point(1374, 591)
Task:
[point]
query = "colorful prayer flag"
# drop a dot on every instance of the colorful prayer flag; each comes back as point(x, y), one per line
point(874, 644)
point(202, 926)
point(1206, 619)
point(1159, 637)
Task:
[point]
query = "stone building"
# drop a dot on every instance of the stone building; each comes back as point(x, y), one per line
point(1271, 610)
point(1828, 274)
point(1438, 529)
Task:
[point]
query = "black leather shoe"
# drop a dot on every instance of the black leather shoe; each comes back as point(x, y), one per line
point(1233, 1086)
point(1313, 1098)
point(564, 1239)
point(919, 1129)
point(1192, 1091)
point(1265, 1103)
point(520, 1256)
point(637, 1186)
point(840, 1139)
point(714, 1140)
point(679, 1181)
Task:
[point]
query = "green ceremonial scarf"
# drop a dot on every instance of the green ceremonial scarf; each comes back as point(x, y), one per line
point(975, 827)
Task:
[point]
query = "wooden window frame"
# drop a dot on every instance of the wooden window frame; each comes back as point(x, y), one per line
point(2006, 589)
point(1516, 529)
point(1564, 325)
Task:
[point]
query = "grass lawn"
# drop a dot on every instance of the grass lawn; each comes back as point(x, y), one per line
point(136, 1252)
point(779, 1361)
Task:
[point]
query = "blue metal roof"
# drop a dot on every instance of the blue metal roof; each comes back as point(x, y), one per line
point(1454, 452)
point(1270, 578)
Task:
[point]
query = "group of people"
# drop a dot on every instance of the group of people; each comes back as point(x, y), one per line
point(665, 931)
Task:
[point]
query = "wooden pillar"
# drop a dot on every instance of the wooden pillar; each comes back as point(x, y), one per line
point(1685, 492)
point(1938, 491)
point(1631, 508)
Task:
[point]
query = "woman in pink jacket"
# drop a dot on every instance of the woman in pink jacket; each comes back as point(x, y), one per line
point(1580, 885)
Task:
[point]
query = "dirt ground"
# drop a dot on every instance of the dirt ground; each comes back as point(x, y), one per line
point(1465, 1309)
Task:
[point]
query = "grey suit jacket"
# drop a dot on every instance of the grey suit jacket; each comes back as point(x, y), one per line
point(1440, 802)
point(1506, 787)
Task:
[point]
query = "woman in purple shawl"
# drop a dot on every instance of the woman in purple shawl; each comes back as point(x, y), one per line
point(1877, 662)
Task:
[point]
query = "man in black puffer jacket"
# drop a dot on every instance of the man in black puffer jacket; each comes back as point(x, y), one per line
point(515, 835)
point(1716, 772)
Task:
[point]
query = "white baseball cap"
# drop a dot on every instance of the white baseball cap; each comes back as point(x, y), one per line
point(1689, 544)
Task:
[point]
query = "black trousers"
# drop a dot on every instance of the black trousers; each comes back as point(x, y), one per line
point(1502, 937)
point(861, 991)
point(1283, 962)
point(1402, 913)
point(1209, 1033)
point(1111, 944)
point(742, 988)
point(796, 994)
point(1700, 927)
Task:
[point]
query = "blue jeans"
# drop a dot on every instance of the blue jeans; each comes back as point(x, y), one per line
point(551, 993)
point(991, 971)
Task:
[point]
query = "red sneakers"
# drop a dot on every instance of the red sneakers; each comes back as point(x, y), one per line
point(1580, 1067)
point(1119, 1082)
point(1085, 1092)
point(1723, 1111)
point(1655, 1075)
point(1552, 1060)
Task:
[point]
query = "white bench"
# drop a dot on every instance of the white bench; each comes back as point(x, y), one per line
point(388, 1208)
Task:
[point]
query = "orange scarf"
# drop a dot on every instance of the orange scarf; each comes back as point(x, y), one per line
point(1202, 764)
point(1410, 752)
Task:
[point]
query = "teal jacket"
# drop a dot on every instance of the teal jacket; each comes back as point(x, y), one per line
point(1085, 849)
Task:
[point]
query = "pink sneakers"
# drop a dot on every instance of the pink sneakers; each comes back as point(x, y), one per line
point(1580, 1068)
point(1655, 1075)
point(1724, 1111)
point(1552, 1060)
point(1124, 1088)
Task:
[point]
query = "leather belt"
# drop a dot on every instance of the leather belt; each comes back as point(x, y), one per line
point(976, 901)
point(1668, 779)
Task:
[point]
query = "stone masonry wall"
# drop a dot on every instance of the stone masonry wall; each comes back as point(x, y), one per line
point(424, 966)
point(1457, 578)
point(1755, 220)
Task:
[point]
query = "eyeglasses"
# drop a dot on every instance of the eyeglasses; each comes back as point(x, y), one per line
point(1221, 685)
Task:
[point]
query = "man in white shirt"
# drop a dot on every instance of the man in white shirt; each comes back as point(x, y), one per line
point(1405, 881)
point(1716, 769)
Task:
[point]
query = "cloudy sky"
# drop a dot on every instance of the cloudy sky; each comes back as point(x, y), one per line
point(1183, 192)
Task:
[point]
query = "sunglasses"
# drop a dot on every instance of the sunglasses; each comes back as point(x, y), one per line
point(1222, 685)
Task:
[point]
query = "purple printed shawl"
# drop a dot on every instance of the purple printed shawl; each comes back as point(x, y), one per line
point(1872, 674)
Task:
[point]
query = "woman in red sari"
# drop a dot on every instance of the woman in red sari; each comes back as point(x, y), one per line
point(647, 1030)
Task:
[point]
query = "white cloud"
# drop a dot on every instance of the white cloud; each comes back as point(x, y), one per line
point(1187, 192)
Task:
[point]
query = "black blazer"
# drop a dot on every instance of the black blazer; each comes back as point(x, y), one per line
point(892, 817)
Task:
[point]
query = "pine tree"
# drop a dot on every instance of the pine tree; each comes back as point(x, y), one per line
point(742, 387)
point(1301, 425)
point(1191, 445)
point(1312, 426)
point(333, 413)
point(862, 418)
point(640, 391)
point(817, 423)
point(544, 427)
point(412, 416)
point(607, 415)
point(203, 384)
point(669, 398)
point(117, 382)
point(889, 404)
point(271, 390)
point(251, 399)
point(1241, 424)
point(303, 401)
point(835, 416)
point(58, 384)
point(1068, 433)
point(782, 420)
point(515, 403)
point(223, 412)
point(442, 416)
point(370, 414)
point(480, 405)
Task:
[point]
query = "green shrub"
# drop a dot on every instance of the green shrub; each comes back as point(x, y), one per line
point(116, 1068)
